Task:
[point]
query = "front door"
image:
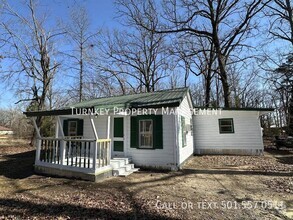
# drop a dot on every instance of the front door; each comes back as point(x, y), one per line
point(118, 137)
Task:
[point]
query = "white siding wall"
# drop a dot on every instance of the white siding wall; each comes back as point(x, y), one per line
point(100, 122)
point(160, 158)
point(247, 134)
point(185, 111)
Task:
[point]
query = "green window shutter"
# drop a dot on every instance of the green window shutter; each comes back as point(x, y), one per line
point(134, 132)
point(80, 127)
point(65, 127)
point(157, 131)
point(118, 127)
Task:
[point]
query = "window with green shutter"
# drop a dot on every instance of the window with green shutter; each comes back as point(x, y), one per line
point(146, 132)
point(73, 127)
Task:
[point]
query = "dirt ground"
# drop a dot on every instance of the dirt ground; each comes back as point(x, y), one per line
point(209, 187)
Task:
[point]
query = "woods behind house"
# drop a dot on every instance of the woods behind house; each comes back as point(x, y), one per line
point(229, 53)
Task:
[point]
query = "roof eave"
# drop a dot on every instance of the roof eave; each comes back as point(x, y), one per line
point(49, 113)
point(71, 111)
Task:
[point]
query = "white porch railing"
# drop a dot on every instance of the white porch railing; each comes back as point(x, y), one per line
point(74, 153)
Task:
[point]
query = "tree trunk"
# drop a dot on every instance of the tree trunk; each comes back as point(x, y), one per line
point(208, 80)
point(290, 112)
point(81, 73)
point(224, 80)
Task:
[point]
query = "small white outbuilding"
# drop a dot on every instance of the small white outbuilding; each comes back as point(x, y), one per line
point(229, 131)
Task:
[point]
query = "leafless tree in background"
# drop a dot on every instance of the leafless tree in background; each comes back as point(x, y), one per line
point(280, 13)
point(278, 68)
point(81, 40)
point(228, 24)
point(29, 55)
point(138, 54)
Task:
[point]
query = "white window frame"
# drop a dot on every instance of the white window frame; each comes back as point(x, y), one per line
point(231, 125)
point(146, 132)
point(184, 132)
point(69, 125)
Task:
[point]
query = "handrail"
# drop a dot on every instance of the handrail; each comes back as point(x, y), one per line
point(65, 139)
point(68, 139)
point(103, 140)
point(79, 140)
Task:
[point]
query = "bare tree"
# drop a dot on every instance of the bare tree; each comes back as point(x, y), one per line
point(280, 13)
point(137, 60)
point(82, 40)
point(29, 53)
point(228, 24)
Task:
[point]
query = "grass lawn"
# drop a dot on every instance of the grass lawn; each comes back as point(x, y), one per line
point(209, 187)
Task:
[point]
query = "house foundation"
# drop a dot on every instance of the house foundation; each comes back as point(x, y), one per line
point(90, 176)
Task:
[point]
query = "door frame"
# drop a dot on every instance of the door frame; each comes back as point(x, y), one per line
point(117, 153)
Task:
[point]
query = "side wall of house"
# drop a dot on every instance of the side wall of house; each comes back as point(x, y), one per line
point(185, 110)
point(246, 139)
point(155, 158)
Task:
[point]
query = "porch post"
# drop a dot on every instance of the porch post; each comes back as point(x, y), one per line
point(62, 142)
point(38, 140)
point(56, 128)
point(60, 127)
point(108, 126)
point(36, 127)
point(94, 128)
point(108, 145)
point(96, 143)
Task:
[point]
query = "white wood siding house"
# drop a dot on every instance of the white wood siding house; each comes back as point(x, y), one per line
point(245, 138)
point(88, 145)
point(99, 137)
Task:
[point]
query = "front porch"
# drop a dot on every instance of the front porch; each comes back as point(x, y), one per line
point(80, 158)
point(83, 157)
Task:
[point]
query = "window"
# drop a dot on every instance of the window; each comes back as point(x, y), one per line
point(146, 133)
point(183, 131)
point(226, 125)
point(72, 128)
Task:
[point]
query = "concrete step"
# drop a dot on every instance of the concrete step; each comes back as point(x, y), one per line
point(127, 173)
point(127, 168)
point(117, 163)
point(122, 166)
point(126, 159)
